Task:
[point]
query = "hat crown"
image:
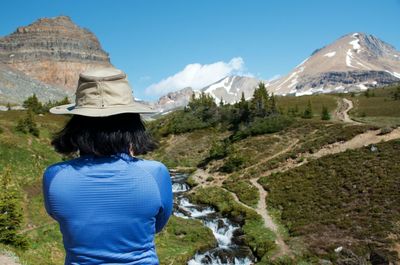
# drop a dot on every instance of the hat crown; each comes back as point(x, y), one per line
point(103, 88)
point(102, 74)
point(103, 92)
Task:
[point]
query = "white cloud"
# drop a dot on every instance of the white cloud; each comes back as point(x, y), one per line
point(198, 76)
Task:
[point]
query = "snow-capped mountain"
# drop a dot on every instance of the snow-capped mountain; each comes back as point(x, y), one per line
point(352, 63)
point(230, 88)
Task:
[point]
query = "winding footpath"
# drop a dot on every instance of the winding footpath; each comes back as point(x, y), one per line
point(268, 222)
point(364, 139)
point(342, 111)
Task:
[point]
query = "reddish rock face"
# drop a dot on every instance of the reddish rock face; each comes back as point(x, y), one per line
point(54, 51)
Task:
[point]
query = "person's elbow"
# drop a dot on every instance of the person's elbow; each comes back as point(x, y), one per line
point(162, 219)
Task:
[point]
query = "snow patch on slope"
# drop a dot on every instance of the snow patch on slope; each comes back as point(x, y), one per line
point(330, 54)
point(349, 56)
point(394, 73)
point(356, 45)
point(226, 84)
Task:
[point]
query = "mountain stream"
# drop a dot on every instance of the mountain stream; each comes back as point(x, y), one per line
point(230, 249)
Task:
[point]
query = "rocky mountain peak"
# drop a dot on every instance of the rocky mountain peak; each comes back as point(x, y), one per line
point(48, 24)
point(353, 62)
point(53, 50)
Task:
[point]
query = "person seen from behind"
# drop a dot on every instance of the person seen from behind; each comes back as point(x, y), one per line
point(108, 202)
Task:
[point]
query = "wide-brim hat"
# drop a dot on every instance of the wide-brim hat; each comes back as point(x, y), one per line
point(103, 92)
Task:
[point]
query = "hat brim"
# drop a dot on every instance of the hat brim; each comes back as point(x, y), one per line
point(102, 112)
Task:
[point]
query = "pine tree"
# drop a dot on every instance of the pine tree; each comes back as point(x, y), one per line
point(242, 101)
point(396, 94)
point(244, 109)
point(11, 217)
point(221, 102)
point(325, 115)
point(32, 103)
point(273, 106)
point(308, 113)
point(260, 101)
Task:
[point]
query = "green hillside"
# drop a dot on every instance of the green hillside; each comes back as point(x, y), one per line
point(348, 199)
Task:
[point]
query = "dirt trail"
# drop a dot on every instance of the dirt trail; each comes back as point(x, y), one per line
point(364, 139)
point(342, 111)
point(268, 222)
point(287, 149)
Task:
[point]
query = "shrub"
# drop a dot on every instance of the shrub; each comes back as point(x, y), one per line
point(28, 125)
point(271, 124)
point(308, 112)
point(233, 163)
point(396, 94)
point(325, 115)
point(219, 149)
point(10, 213)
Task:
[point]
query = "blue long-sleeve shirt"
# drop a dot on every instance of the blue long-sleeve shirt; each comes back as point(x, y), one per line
point(109, 208)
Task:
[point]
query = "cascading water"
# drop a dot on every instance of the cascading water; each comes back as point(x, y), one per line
point(226, 252)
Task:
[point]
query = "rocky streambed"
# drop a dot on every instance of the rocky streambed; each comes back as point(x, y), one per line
point(230, 248)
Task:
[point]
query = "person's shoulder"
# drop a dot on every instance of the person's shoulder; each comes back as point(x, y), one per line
point(152, 166)
point(55, 168)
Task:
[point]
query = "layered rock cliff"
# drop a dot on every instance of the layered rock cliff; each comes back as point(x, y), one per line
point(54, 51)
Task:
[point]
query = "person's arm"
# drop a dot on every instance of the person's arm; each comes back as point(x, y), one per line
point(163, 179)
point(47, 177)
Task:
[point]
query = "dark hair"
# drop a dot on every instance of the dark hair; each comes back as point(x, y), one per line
point(104, 136)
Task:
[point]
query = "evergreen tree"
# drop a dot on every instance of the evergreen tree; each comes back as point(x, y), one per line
point(396, 94)
point(204, 107)
point(325, 115)
point(273, 106)
point(260, 101)
point(221, 102)
point(308, 113)
point(293, 112)
point(8, 106)
point(244, 109)
point(11, 217)
point(367, 93)
point(32, 103)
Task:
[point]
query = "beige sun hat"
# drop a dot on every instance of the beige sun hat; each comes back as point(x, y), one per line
point(103, 92)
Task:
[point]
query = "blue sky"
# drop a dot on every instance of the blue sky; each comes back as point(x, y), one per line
point(194, 42)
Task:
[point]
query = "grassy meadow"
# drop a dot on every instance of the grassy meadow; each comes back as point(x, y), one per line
point(377, 107)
